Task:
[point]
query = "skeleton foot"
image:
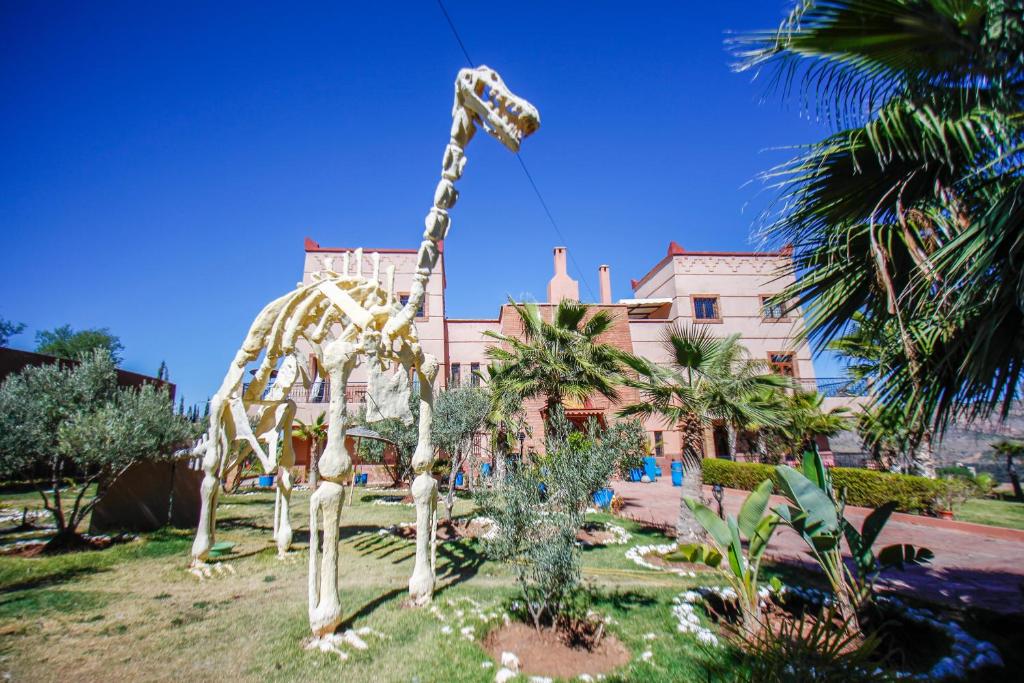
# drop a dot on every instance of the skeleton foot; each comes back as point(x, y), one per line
point(333, 642)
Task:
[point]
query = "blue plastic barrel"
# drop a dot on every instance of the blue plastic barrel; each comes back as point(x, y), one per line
point(677, 465)
point(677, 477)
point(459, 478)
point(266, 480)
point(485, 469)
point(635, 474)
point(651, 467)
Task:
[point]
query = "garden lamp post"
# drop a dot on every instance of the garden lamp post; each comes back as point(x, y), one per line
point(718, 491)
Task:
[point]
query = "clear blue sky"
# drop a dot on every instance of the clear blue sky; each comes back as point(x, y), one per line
point(161, 163)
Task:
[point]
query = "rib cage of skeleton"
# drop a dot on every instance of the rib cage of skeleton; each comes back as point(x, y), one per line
point(347, 318)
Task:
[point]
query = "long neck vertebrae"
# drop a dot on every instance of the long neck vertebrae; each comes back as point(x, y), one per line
point(437, 221)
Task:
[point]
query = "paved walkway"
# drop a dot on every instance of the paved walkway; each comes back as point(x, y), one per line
point(975, 565)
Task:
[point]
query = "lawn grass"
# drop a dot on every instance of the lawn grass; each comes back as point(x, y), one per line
point(1005, 513)
point(133, 612)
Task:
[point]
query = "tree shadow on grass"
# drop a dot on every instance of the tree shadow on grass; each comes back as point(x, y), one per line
point(457, 563)
point(368, 609)
point(623, 600)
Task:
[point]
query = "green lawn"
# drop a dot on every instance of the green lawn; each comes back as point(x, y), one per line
point(133, 612)
point(994, 512)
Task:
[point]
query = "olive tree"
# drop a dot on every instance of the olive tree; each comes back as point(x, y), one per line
point(73, 421)
point(458, 415)
point(538, 512)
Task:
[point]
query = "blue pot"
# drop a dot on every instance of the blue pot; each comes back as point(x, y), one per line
point(266, 480)
point(603, 498)
point(676, 465)
point(635, 474)
point(459, 479)
point(677, 477)
point(485, 469)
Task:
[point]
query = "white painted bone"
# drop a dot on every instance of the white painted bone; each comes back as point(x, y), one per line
point(374, 326)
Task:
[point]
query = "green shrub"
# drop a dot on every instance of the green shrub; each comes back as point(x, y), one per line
point(865, 488)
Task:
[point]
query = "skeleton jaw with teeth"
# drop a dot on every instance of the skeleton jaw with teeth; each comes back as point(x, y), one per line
point(505, 116)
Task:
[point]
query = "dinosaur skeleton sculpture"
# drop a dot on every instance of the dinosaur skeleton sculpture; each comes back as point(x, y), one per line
point(374, 326)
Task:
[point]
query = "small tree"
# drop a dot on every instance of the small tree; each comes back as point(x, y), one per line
point(9, 328)
point(538, 513)
point(1010, 450)
point(630, 438)
point(403, 437)
point(316, 434)
point(63, 342)
point(458, 415)
point(75, 421)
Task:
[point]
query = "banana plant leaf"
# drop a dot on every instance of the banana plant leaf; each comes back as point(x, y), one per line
point(753, 509)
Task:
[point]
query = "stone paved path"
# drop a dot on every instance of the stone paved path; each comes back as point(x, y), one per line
point(974, 565)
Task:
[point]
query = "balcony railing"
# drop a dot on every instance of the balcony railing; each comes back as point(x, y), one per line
point(320, 392)
point(835, 387)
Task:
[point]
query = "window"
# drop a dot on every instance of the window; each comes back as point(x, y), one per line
point(705, 308)
point(421, 312)
point(659, 444)
point(782, 363)
point(456, 377)
point(474, 374)
point(771, 310)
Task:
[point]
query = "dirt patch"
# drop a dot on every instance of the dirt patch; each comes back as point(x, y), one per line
point(659, 561)
point(594, 536)
point(36, 548)
point(602, 534)
point(544, 653)
point(451, 530)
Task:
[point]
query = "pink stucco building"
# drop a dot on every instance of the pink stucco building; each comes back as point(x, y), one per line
point(726, 290)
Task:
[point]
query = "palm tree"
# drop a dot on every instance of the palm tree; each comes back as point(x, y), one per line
point(707, 379)
point(912, 209)
point(804, 418)
point(1011, 450)
point(505, 421)
point(872, 349)
point(316, 434)
point(557, 360)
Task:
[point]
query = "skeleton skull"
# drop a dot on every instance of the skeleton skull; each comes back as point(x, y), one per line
point(505, 116)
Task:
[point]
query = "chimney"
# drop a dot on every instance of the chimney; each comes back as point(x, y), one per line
point(561, 286)
point(606, 284)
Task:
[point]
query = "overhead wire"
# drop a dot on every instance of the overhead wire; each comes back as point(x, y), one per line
point(522, 162)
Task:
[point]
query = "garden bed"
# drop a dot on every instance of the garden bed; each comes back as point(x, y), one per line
point(546, 653)
point(451, 529)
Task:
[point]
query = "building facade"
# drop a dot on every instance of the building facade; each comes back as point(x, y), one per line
point(726, 290)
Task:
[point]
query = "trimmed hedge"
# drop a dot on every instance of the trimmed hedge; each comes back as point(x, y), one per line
point(865, 488)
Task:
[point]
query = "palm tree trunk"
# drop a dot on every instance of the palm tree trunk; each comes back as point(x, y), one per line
point(688, 529)
point(314, 465)
point(730, 430)
point(1011, 471)
point(924, 456)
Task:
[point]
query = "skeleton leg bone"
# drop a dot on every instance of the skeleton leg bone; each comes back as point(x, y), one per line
point(424, 490)
point(212, 460)
point(326, 503)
